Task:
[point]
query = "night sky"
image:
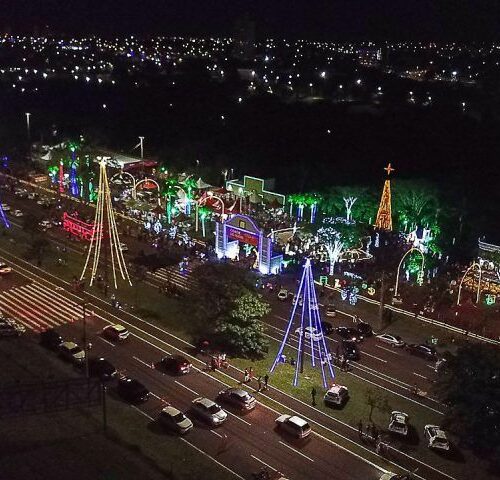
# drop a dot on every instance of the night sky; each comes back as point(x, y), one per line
point(311, 19)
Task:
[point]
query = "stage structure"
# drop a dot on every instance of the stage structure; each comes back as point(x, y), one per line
point(77, 227)
point(384, 214)
point(241, 228)
point(307, 318)
point(105, 228)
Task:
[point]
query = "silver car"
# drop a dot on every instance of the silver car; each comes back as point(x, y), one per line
point(72, 352)
point(208, 411)
point(175, 420)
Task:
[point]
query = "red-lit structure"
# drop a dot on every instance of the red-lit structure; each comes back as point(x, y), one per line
point(77, 227)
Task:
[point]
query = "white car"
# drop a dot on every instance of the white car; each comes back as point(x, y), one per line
point(45, 224)
point(17, 213)
point(293, 425)
point(399, 423)
point(5, 207)
point(310, 332)
point(436, 438)
point(32, 195)
point(21, 193)
point(392, 340)
point(123, 247)
point(283, 294)
point(5, 269)
point(208, 411)
point(331, 311)
point(336, 396)
point(175, 420)
point(72, 352)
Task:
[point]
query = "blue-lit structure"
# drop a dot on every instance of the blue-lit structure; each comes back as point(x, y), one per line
point(312, 339)
point(4, 219)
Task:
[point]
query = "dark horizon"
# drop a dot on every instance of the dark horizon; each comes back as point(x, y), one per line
point(335, 20)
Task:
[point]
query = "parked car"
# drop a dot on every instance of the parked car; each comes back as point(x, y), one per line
point(102, 368)
point(398, 423)
point(17, 213)
point(349, 333)
point(293, 425)
point(5, 269)
point(436, 438)
point(116, 332)
point(238, 398)
point(11, 328)
point(208, 411)
point(175, 420)
point(72, 352)
point(176, 364)
point(350, 349)
point(392, 340)
point(50, 339)
point(421, 350)
point(132, 390)
point(364, 329)
point(336, 396)
point(283, 294)
point(331, 310)
point(5, 207)
point(327, 328)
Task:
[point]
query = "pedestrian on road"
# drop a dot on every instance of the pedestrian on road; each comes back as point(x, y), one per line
point(246, 376)
point(375, 432)
point(250, 373)
point(259, 381)
point(313, 396)
point(213, 364)
point(360, 430)
point(266, 381)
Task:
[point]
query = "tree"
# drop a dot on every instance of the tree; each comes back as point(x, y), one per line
point(331, 240)
point(470, 384)
point(349, 202)
point(377, 401)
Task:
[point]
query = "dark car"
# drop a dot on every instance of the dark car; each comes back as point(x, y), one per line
point(176, 364)
point(102, 368)
point(422, 350)
point(349, 333)
point(132, 390)
point(350, 349)
point(327, 328)
point(365, 329)
point(238, 398)
point(50, 339)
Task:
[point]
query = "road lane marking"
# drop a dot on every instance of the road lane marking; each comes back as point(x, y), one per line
point(216, 433)
point(421, 376)
point(211, 458)
point(373, 356)
point(187, 388)
point(238, 418)
point(156, 396)
point(263, 463)
point(296, 451)
point(390, 350)
point(142, 413)
point(143, 362)
point(107, 341)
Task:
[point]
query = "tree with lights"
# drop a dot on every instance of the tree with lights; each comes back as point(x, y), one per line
point(330, 238)
point(170, 190)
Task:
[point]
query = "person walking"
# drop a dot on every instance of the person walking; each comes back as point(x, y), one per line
point(259, 381)
point(313, 396)
point(250, 373)
point(360, 430)
point(266, 381)
point(246, 376)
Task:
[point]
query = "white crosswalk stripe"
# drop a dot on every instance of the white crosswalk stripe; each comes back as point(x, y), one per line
point(38, 307)
point(172, 275)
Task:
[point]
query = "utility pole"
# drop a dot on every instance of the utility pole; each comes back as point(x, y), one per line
point(381, 305)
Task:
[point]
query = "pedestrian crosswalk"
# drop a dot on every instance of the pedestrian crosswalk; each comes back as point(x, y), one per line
point(173, 276)
point(38, 307)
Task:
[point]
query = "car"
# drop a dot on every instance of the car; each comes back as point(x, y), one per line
point(45, 224)
point(72, 352)
point(176, 364)
point(283, 294)
point(331, 310)
point(238, 398)
point(350, 349)
point(397, 300)
point(10, 328)
point(336, 396)
point(102, 368)
point(398, 423)
point(208, 411)
point(364, 329)
point(17, 213)
point(50, 339)
point(327, 328)
point(115, 332)
point(310, 332)
point(132, 390)
point(296, 299)
point(349, 333)
point(5, 207)
point(293, 425)
point(392, 340)
point(5, 269)
point(32, 195)
point(422, 350)
point(175, 420)
point(436, 438)
point(394, 476)
point(21, 192)
point(123, 247)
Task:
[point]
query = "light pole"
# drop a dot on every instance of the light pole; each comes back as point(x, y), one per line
point(141, 142)
point(85, 349)
point(28, 124)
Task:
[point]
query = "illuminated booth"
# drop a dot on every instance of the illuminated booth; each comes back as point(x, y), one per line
point(241, 228)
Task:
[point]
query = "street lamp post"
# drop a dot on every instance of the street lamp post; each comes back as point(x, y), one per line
point(141, 141)
point(28, 124)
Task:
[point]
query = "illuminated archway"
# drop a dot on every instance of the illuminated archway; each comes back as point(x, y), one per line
point(475, 264)
point(202, 202)
point(145, 181)
point(120, 174)
point(421, 273)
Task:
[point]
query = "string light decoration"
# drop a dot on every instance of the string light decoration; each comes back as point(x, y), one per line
point(3, 217)
point(384, 214)
point(105, 227)
point(312, 336)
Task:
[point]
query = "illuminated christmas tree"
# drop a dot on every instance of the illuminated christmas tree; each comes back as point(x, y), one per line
point(105, 228)
point(384, 214)
point(306, 318)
